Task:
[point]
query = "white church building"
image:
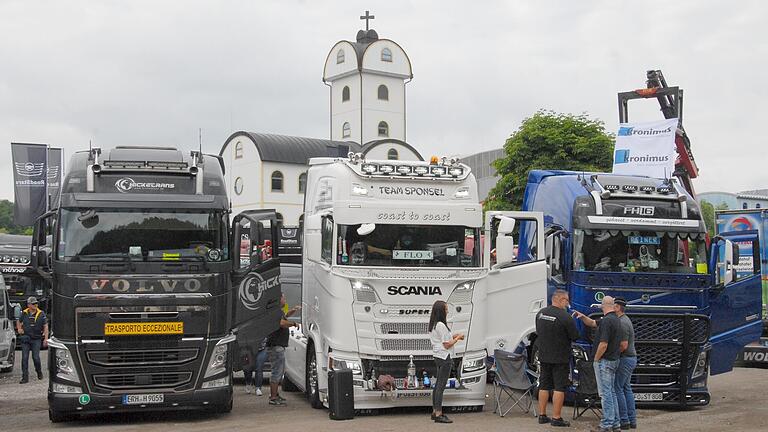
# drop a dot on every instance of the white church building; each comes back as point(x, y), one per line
point(367, 80)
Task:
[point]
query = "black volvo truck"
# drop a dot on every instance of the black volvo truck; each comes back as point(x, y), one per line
point(151, 293)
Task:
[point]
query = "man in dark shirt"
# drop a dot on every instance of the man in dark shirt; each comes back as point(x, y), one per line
point(32, 328)
point(627, 363)
point(276, 344)
point(606, 352)
point(556, 330)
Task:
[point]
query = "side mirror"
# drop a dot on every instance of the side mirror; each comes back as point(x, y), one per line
point(42, 259)
point(506, 225)
point(505, 249)
point(366, 229)
point(16, 312)
point(729, 270)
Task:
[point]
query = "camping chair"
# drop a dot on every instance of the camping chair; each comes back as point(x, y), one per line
point(513, 383)
point(586, 397)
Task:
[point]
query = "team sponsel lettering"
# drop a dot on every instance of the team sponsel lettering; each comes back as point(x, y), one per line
point(414, 290)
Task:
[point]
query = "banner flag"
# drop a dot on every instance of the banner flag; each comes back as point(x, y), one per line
point(55, 175)
point(646, 149)
point(29, 179)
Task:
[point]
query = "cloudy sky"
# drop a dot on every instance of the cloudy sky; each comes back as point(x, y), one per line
point(153, 72)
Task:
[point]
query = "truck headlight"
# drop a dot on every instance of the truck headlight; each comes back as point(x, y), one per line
point(347, 364)
point(701, 365)
point(473, 364)
point(65, 365)
point(218, 361)
point(364, 293)
point(462, 293)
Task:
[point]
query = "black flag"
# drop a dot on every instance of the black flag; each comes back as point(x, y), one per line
point(29, 178)
point(54, 176)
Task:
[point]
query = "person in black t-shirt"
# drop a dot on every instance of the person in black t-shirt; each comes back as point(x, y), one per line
point(276, 344)
point(606, 352)
point(555, 330)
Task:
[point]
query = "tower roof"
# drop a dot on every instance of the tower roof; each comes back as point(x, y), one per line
point(293, 149)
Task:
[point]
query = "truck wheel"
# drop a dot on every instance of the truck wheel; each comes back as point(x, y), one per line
point(313, 393)
point(11, 360)
point(289, 386)
point(57, 417)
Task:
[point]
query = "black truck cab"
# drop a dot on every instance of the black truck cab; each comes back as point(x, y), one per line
point(150, 291)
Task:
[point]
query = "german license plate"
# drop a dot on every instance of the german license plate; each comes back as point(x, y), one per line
point(405, 394)
point(649, 396)
point(143, 328)
point(142, 399)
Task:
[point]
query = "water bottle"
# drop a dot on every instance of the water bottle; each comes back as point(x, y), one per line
point(427, 384)
point(411, 373)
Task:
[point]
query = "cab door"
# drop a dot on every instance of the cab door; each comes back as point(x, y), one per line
point(256, 286)
point(735, 297)
point(516, 284)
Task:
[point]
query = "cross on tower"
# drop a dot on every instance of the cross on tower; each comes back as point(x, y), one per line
point(367, 17)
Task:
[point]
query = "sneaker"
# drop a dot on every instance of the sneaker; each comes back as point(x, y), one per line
point(543, 419)
point(633, 425)
point(247, 389)
point(281, 399)
point(24, 380)
point(39, 375)
point(616, 429)
point(443, 419)
point(277, 402)
point(625, 426)
point(258, 392)
point(559, 422)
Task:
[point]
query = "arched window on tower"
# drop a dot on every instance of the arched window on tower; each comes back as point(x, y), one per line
point(392, 154)
point(346, 130)
point(744, 206)
point(340, 56)
point(345, 94)
point(383, 129)
point(238, 150)
point(383, 92)
point(386, 55)
point(302, 183)
point(277, 181)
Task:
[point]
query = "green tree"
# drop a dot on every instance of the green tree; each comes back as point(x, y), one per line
point(708, 214)
point(6, 220)
point(549, 140)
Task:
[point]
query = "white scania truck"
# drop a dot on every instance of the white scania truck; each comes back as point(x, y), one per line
point(383, 240)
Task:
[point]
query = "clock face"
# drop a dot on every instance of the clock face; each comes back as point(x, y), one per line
point(239, 185)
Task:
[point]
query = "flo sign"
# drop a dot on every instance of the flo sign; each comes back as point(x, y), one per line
point(645, 149)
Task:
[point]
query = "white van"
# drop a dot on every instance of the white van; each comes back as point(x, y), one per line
point(8, 314)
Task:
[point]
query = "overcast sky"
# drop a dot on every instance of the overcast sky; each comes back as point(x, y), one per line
point(153, 72)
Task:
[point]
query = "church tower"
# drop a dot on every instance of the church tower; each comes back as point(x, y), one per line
point(367, 80)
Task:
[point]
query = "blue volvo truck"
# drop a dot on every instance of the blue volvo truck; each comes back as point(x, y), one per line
point(644, 239)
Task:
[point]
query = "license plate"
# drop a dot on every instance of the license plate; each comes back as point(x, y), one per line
point(649, 396)
point(142, 399)
point(405, 394)
point(143, 328)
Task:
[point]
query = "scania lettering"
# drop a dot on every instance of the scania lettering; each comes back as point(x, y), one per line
point(152, 296)
point(681, 296)
point(384, 240)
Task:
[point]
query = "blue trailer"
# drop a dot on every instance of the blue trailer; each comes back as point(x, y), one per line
point(737, 221)
point(644, 239)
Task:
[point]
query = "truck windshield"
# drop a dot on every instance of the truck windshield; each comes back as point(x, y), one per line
point(408, 246)
point(142, 235)
point(639, 251)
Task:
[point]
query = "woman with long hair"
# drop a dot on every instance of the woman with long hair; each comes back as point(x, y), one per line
point(442, 350)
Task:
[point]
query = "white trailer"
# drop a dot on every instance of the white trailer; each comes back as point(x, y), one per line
point(383, 240)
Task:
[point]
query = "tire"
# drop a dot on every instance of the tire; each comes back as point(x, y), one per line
point(11, 360)
point(289, 386)
point(58, 417)
point(313, 393)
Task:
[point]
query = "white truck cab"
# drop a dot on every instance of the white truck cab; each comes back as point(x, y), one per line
point(383, 240)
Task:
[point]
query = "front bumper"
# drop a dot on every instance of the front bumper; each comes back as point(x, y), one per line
point(472, 395)
point(69, 403)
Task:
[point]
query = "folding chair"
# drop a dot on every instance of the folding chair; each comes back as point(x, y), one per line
point(513, 383)
point(587, 396)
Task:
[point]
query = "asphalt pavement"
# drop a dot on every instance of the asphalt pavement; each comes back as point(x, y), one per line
point(739, 403)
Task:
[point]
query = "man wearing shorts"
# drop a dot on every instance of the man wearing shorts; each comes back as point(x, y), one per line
point(556, 330)
point(276, 344)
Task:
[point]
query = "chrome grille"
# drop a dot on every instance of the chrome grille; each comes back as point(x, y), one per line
point(662, 355)
point(142, 357)
point(128, 381)
point(405, 345)
point(421, 328)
